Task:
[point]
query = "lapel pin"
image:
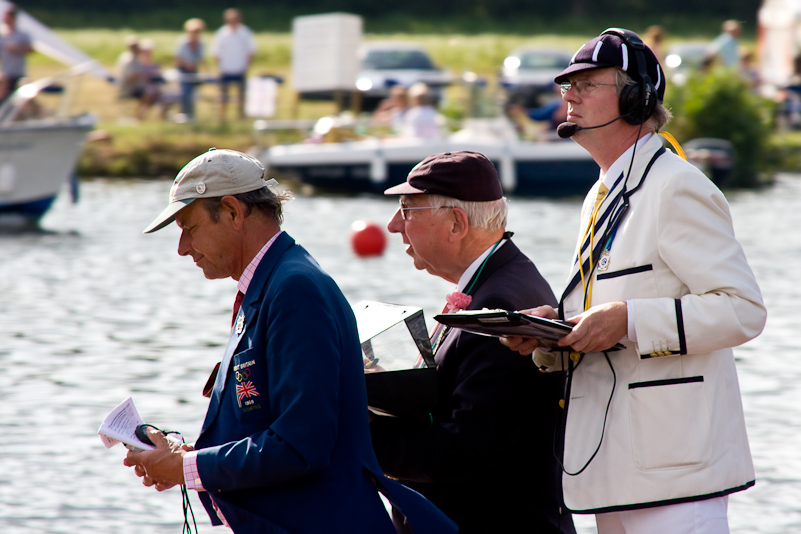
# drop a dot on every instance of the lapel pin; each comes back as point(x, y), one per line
point(240, 323)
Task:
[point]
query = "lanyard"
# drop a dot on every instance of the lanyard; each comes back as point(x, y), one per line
point(610, 232)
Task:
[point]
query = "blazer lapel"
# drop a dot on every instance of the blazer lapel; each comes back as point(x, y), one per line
point(610, 210)
point(247, 315)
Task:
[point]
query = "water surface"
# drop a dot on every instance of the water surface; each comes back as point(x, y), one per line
point(92, 311)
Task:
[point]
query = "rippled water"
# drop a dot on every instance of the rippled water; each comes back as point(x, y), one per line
point(92, 311)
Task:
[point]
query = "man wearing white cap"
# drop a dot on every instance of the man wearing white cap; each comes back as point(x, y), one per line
point(655, 436)
point(285, 446)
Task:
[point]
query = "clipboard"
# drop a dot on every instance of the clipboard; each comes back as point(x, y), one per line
point(499, 323)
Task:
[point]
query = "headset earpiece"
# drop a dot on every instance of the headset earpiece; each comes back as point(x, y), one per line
point(637, 101)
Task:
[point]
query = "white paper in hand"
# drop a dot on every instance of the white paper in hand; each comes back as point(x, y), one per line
point(119, 426)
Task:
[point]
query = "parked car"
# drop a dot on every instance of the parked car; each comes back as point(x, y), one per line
point(685, 58)
point(397, 63)
point(528, 72)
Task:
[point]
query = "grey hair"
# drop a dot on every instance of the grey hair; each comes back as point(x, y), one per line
point(490, 215)
point(660, 116)
point(264, 200)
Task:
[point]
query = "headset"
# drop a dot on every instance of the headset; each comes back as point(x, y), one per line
point(637, 101)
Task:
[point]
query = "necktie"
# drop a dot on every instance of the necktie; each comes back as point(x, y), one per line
point(587, 284)
point(599, 197)
point(210, 382)
point(237, 305)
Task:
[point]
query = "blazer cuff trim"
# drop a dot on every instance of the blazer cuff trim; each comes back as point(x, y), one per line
point(680, 328)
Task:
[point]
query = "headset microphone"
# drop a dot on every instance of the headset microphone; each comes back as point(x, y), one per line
point(569, 129)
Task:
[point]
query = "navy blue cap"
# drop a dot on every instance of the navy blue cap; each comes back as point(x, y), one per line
point(611, 50)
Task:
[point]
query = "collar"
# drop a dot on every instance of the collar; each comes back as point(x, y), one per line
point(467, 275)
point(247, 275)
point(621, 164)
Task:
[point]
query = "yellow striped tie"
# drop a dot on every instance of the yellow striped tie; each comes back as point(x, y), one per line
point(602, 191)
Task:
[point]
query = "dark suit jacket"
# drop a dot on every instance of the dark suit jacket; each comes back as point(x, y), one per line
point(285, 445)
point(486, 458)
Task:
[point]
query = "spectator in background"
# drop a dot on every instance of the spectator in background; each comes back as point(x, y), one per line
point(133, 78)
point(233, 48)
point(154, 81)
point(748, 69)
point(189, 57)
point(553, 112)
point(724, 47)
point(654, 39)
point(421, 119)
point(15, 45)
point(391, 110)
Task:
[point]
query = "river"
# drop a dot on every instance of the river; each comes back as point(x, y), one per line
point(92, 311)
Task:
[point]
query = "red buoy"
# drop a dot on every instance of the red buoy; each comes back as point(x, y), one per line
point(367, 238)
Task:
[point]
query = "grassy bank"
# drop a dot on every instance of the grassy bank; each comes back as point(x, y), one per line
point(159, 148)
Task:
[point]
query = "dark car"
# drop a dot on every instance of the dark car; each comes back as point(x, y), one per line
point(528, 72)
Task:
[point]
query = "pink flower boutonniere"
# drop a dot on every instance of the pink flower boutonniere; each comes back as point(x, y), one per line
point(458, 301)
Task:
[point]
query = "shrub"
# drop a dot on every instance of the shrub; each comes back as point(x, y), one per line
point(721, 104)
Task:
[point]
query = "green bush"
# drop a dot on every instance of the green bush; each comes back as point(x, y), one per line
point(720, 104)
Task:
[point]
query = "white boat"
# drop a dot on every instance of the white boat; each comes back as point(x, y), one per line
point(542, 168)
point(37, 155)
point(39, 151)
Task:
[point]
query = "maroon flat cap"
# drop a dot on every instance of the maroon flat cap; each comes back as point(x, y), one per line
point(465, 175)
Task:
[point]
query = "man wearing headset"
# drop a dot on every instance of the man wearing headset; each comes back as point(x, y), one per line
point(655, 437)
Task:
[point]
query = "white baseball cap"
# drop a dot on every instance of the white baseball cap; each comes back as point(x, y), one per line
point(215, 174)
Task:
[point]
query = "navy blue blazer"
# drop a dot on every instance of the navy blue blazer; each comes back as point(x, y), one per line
point(488, 456)
point(285, 446)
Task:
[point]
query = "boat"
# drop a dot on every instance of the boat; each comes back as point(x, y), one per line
point(37, 156)
point(39, 150)
point(549, 168)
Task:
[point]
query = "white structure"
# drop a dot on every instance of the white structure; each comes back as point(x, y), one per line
point(325, 52)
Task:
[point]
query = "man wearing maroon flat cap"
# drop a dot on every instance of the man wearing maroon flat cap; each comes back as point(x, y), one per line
point(655, 436)
point(484, 456)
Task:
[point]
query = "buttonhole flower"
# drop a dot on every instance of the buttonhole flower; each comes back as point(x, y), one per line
point(458, 301)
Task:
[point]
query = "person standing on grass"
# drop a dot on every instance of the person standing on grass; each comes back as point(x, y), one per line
point(189, 57)
point(233, 48)
point(15, 45)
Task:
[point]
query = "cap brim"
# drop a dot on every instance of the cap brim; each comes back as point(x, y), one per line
point(404, 189)
point(168, 215)
point(579, 67)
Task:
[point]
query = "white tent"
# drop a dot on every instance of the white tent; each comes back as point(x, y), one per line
point(46, 42)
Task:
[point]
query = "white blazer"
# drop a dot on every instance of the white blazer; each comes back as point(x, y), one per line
point(674, 429)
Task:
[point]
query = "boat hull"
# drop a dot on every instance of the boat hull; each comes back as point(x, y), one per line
point(36, 159)
point(531, 169)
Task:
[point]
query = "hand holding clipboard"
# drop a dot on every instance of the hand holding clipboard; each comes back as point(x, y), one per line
point(504, 323)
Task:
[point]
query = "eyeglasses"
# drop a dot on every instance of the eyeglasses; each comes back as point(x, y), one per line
point(404, 209)
point(581, 86)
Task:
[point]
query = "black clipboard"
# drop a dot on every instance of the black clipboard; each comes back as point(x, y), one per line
point(499, 323)
point(507, 323)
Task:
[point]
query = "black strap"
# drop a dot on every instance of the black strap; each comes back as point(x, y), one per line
point(613, 224)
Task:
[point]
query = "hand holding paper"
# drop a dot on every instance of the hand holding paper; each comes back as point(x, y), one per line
point(119, 426)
